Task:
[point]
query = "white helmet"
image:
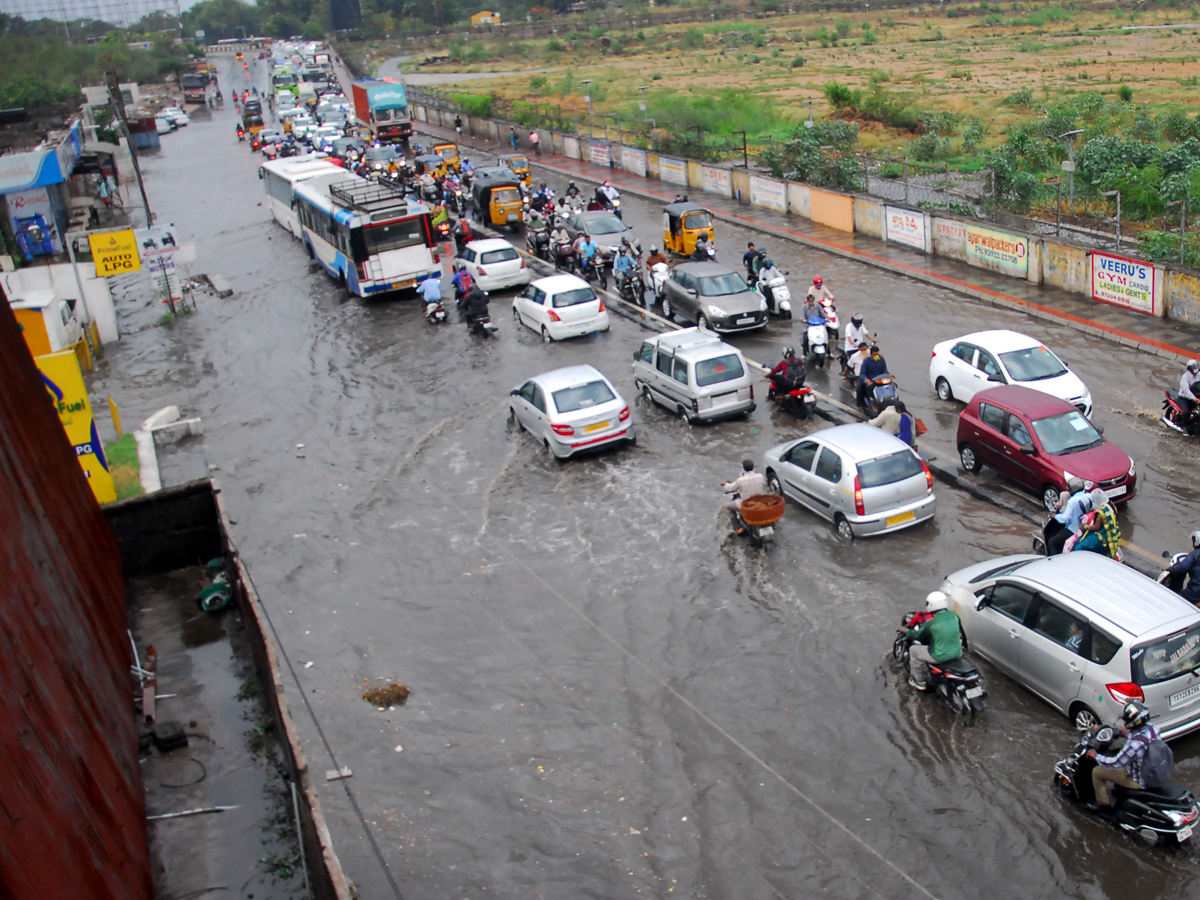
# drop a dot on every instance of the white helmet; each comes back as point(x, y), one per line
point(1195, 540)
point(936, 601)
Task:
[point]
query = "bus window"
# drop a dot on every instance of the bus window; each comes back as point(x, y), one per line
point(374, 239)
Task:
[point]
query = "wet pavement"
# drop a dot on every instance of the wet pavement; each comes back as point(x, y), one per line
point(612, 696)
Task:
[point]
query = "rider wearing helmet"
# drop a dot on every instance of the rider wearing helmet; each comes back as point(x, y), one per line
point(856, 333)
point(1190, 566)
point(1187, 387)
point(1125, 767)
point(748, 484)
point(654, 258)
point(622, 267)
point(938, 640)
point(818, 291)
point(788, 375)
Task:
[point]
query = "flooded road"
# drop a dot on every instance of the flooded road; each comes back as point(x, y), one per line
point(612, 696)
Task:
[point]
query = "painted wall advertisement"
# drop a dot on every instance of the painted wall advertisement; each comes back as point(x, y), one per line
point(64, 385)
point(768, 192)
point(633, 160)
point(716, 181)
point(1125, 282)
point(1008, 250)
point(905, 226)
point(570, 147)
point(599, 154)
point(672, 170)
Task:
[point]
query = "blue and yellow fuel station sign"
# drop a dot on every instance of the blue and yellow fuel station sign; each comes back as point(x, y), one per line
point(64, 385)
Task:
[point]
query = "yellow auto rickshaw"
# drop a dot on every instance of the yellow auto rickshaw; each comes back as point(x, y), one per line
point(254, 124)
point(431, 163)
point(683, 225)
point(449, 154)
point(518, 164)
point(497, 201)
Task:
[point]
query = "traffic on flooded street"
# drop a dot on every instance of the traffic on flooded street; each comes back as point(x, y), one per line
point(614, 693)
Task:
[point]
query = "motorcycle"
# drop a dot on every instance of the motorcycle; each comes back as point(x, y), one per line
point(1166, 579)
point(816, 348)
point(241, 135)
point(658, 277)
point(1166, 815)
point(564, 256)
point(481, 325)
point(435, 312)
point(596, 267)
point(1174, 416)
point(957, 683)
point(801, 402)
point(443, 230)
point(430, 193)
point(255, 144)
point(880, 392)
point(633, 287)
point(538, 242)
point(771, 285)
point(758, 516)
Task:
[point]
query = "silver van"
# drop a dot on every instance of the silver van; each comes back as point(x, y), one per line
point(1086, 634)
point(694, 374)
point(865, 481)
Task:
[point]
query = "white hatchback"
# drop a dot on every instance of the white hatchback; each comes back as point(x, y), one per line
point(961, 368)
point(495, 264)
point(561, 306)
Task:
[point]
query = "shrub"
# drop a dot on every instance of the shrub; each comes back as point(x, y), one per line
point(799, 62)
point(842, 28)
point(972, 138)
point(870, 37)
point(693, 39)
point(1125, 92)
point(1176, 126)
point(657, 76)
point(842, 97)
point(475, 104)
point(1022, 99)
point(554, 45)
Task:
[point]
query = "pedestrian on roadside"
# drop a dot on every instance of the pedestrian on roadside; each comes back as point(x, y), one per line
point(458, 125)
point(536, 141)
point(512, 136)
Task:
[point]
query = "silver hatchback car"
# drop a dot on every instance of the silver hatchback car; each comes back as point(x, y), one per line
point(863, 480)
point(572, 410)
point(1086, 634)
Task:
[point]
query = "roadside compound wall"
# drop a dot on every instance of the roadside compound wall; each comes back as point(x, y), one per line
point(1155, 289)
point(74, 822)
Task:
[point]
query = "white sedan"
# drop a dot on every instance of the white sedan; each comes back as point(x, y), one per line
point(572, 410)
point(180, 117)
point(494, 264)
point(561, 306)
point(960, 368)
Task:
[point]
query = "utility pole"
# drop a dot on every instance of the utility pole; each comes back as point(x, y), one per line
point(810, 123)
point(642, 102)
point(118, 105)
point(1069, 165)
point(587, 95)
point(1116, 194)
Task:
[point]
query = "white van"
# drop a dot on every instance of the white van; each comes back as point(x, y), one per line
point(695, 374)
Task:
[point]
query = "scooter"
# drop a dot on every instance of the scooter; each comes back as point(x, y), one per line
point(1042, 535)
point(1166, 579)
point(1158, 816)
point(772, 287)
point(758, 516)
point(443, 230)
point(958, 683)
point(1174, 416)
point(564, 256)
point(658, 277)
point(538, 242)
point(880, 392)
point(831, 320)
point(816, 349)
point(435, 312)
point(481, 325)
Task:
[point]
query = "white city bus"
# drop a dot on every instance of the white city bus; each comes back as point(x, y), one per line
point(280, 177)
point(366, 235)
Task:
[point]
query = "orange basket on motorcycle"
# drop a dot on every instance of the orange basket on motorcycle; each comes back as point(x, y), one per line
point(763, 509)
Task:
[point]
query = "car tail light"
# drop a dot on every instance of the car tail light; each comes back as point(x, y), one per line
point(602, 306)
point(523, 266)
point(695, 406)
point(1125, 691)
point(932, 354)
point(858, 500)
point(928, 477)
point(751, 392)
point(554, 317)
point(563, 429)
point(481, 271)
point(436, 258)
point(624, 414)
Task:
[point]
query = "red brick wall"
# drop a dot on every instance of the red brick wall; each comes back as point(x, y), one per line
point(72, 816)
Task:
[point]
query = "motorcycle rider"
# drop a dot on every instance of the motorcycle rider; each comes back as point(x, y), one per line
point(428, 185)
point(1125, 767)
point(817, 291)
point(872, 367)
point(1187, 384)
point(607, 194)
point(623, 267)
point(431, 289)
point(748, 484)
point(1190, 566)
point(463, 282)
point(585, 251)
point(572, 189)
point(700, 254)
point(654, 258)
point(462, 233)
point(1079, 501)
point(788, 374)
point(748, 262)
point(559, 235)
point(537, 221)
point(1102, 525)
point(939, 639)
point(475, 305)
point(856, 334)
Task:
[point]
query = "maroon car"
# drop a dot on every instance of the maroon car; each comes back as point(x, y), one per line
point(1040, 441)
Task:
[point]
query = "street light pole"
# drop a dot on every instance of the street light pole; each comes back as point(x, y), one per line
point(1116, 194)
point(1069, 165)
point(587, 95)
point(810, 123)
point(642, 102)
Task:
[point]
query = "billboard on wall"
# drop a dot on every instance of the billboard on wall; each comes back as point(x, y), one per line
point(716, 181)
point(570, 147)
point(768, 192)
point(672, 170)
point(599, 154)
point(64, 385)
point(1124, 282)
point(633, 161)
point(905, 226)
point(1008, 250)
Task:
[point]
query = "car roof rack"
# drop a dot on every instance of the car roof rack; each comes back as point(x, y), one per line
point(377, 200)
point(688, 337)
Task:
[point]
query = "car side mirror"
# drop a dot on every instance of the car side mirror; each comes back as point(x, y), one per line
point(1166, 554)
point(1029, 449)
point(637, 353)
point(1099, 428)
point(514, 392)
point(982, 602)
point(996, 377)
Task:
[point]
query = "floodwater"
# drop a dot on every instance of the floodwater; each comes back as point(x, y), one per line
point(612, 696)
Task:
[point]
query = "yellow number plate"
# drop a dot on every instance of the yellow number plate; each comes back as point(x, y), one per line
point(903, 517)
point(403, 284)
point(598, 426)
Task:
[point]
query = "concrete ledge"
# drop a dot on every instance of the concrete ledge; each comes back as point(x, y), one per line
point(176, 431)
point(220, 285)
point(148, 473)
point(164, 416)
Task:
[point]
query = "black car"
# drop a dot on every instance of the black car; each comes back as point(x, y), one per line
point(714, 297)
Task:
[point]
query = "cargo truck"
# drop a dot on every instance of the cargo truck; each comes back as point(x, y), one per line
point(381, 106)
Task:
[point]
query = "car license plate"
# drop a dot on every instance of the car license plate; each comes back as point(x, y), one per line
point(974, 692)
point(396, 285)
point(1176, 699)
point(903, 517)
point(596, 426)
point(1184, 833)
point(745, 320)
point(1115, 492)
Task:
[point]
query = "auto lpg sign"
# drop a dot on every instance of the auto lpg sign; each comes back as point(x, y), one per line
point(115, 253)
